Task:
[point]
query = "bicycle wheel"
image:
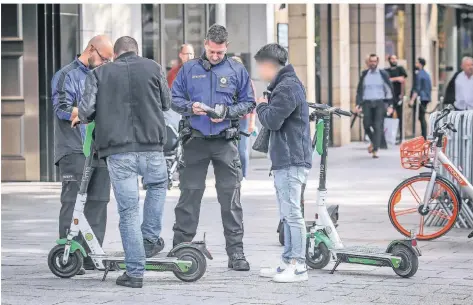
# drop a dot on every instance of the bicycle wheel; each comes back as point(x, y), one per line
point(405, 208)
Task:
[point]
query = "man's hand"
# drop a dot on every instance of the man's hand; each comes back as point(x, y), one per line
point(74, 113)
point(251, 128)
point(358, 109)
point(390, 110)
point(217, 120)
point(262, 99)
point(75, 122)
point(197, 110)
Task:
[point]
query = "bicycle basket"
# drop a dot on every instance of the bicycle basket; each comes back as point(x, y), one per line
point(414, 153)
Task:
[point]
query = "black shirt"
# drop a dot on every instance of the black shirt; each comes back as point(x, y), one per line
point(396, 72)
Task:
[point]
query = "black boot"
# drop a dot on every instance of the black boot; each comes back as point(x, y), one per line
point(237, 262)
point(128, 281)
point(88, 263)
point(151, 249)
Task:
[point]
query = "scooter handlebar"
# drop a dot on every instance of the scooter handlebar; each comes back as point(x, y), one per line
point(325, 107)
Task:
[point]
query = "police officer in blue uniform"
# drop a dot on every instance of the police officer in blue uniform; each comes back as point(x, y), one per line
point(212, 93)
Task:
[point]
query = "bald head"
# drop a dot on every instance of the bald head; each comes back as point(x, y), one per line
point(467, 65)
point(99, 51)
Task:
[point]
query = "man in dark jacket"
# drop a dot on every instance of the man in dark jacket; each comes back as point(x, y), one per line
point(67, 89)
point(126, 99)
point(423, 90)
point(286, 115)
point(374, 93)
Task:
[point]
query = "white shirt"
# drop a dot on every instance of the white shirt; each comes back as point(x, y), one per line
point(464, 92)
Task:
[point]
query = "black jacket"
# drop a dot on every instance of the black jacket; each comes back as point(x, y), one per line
point(126, 98)
point(359, 90)
point(286, 115)
point(450, 91)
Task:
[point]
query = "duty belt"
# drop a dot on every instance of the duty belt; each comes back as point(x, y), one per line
point(198, 134)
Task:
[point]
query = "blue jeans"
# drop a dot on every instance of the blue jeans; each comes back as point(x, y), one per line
point(243, 147)
point(124, 170)
point(288, 183)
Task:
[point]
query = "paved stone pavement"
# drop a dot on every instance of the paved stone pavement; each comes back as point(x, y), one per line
point(359, 184)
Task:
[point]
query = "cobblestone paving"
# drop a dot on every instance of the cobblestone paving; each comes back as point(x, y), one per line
point(359, 184)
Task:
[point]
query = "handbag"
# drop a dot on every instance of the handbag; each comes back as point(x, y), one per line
point(262, 141)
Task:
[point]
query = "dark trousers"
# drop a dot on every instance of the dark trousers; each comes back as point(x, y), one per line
point(423, 122)
point(197, 154)
point(398, 109)
point(98, 195)
point(373, 116)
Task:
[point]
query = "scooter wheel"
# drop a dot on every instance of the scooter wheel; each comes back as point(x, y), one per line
point(321, 256)
point(199, 264)
point(281, 233)
point(143, 183)
point(67, 270)
point(409, 263)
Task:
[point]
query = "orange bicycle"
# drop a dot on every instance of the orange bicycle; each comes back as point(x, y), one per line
point(434, 214)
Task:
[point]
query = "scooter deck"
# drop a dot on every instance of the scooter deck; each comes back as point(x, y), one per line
point(365, 256)
point(359, 250)
point(157, 263)
point(120, 256)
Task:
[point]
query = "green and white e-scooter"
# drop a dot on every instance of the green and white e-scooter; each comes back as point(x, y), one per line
point(187, 260)
point(323, 241)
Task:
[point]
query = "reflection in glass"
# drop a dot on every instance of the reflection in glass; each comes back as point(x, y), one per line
point(394, 23)
point(173, 32)
point(447, 45)
point(151, 42)
point(195, 27)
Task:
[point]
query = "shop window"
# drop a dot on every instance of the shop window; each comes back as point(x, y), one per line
point(151, 38)
point(394, 23)
point(447, 46)
point(10, 20)
point(173, 33)
point(195, 26)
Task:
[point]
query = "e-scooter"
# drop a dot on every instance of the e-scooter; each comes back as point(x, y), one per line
point(323, 241)
point(187, 260)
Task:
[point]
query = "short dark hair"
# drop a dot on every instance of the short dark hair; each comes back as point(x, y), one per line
point(217, 34)
point(421, 61)
point(272, 52)
point(374, 55)
point(125, 44)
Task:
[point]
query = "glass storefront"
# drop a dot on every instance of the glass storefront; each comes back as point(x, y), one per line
point(167, 26)
point(394, 27)
point(465, 33)
point(455, 40)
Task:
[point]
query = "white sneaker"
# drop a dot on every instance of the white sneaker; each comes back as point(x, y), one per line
point(295, 272)
point(272, 271)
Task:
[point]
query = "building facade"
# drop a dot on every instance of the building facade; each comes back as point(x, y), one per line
point(327, 44)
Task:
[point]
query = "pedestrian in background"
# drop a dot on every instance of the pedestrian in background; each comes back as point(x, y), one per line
point(398, 76)
point(460, 88)
point(126, 99)
point(186, 53)
point(247, 124)
point(422, 89)
point(67, 89)
point(374, 96)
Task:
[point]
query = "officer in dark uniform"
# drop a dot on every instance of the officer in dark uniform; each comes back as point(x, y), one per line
point(212, 93)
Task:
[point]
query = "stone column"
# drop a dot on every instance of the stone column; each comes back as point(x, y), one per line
point(339, 68)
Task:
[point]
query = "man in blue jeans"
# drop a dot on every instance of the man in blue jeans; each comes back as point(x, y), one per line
point(126, 99)
point(286, 116)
